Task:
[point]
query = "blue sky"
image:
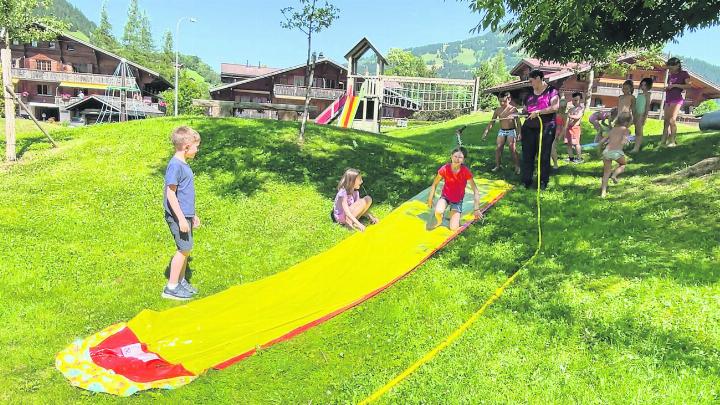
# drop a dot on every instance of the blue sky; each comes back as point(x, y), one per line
point(238, 31)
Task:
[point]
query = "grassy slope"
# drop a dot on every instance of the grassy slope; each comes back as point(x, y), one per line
point(622, 304)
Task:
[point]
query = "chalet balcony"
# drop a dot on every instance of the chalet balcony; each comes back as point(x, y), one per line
point(613, 91)
point(281, 90)
point(52, 76)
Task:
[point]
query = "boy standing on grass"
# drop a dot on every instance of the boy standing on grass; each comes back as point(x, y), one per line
point(179, 204)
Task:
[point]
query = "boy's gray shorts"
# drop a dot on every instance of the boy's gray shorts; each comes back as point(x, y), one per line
point(183, 240)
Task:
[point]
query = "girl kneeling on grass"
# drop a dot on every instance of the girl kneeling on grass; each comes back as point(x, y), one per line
point(349, 207)
point(456, 176)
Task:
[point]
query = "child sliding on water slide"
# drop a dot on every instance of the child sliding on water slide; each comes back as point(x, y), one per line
point(456, 176)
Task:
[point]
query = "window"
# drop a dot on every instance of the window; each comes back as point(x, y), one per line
point(654, 78)
point(70, 47)
point(43, 90)
point(15, 42)
point(34, 44)
point(43, 65)
point(51, 44)
point(299, 81)
point(629, 76)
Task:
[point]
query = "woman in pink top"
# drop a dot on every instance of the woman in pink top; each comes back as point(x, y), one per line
point(349, 207)
point(542, 103)
point(678, 81)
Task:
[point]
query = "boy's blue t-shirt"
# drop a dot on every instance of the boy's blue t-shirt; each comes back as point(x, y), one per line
point(179, 173)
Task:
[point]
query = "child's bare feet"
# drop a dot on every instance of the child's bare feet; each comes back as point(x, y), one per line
point(614, 179)
point(517, 169)
point(603, 193)
point(496, 168)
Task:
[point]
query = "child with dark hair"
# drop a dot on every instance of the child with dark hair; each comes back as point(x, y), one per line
point(642, 108)
point(507, 114)
point(456, 176)
point(575, 112)
point(626, 101)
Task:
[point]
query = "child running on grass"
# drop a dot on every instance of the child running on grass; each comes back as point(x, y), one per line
point(456, 176)
point(614, 151)
point(349, 207)
point(179, 204)
point(642, 108)
point(507, 114)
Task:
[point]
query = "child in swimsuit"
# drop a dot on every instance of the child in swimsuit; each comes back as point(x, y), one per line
point(642, 108)
point(507, 114)
point(614, 151)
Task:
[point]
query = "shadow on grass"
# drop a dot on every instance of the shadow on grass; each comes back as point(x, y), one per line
point(243, 158)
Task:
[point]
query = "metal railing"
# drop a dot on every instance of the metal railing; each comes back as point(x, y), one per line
point(315, 92)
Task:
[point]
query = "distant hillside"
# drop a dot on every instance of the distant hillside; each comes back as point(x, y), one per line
point(459, 59)
point(65, 11)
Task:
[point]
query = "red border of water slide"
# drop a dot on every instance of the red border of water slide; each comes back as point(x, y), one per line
point(301, 329)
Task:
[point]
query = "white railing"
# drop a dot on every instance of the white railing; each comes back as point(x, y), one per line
point(315, 92)
point(51, 76)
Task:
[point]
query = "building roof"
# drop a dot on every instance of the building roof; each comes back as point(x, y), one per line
point(519, 84)
point(108, 53)
point(274, 73)
point(565, 70)
point(245, 70)
point(534, 63)
point(114, 104)
point(359, 49)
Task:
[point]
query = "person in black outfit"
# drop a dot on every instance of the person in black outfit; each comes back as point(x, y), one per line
point(541, 103)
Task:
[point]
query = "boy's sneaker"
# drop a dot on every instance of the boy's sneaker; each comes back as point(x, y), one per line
point(178, 293)
point(189, 287)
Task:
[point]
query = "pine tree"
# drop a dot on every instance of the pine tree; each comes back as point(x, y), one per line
point(131, 34)
point(102, 36)
point(145, 40)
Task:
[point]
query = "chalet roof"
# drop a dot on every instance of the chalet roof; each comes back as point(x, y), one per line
point(245, 70)
point(359, 49)
point(519, 84)
point(534, 63)
point(108, 53)
point(274, 73)
point(113, 103)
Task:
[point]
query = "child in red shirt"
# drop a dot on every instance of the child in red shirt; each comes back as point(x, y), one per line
point(456, 176)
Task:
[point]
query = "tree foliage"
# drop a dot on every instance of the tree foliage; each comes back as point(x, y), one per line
point(102, 36)
point(491, 72)
point(706, 107)
point(188, 89)
point(580, 30)
point(404, 63)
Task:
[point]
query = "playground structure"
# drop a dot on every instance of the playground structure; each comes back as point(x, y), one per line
point(123, 102)
point(368, 93)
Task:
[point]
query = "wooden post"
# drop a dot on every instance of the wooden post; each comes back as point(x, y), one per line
point(6, 59)
point(24, 107)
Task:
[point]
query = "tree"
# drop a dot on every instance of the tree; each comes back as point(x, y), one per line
point(404, 63)
point(580, 30)
point(706, 107)
point(103, 36)
point(131, 33)
point(491, 72)
point(145, 39)
point(309, 19)
point(188, 89)
point(20, 24)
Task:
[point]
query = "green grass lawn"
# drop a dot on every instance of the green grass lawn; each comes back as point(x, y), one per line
point(623, 304)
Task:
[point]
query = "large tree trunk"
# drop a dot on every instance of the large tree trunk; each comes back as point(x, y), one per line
point(5, 59)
